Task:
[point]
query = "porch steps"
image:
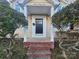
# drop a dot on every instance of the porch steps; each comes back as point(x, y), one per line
point(39, 49)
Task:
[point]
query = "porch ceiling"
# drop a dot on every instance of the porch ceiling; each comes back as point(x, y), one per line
point(45, 10)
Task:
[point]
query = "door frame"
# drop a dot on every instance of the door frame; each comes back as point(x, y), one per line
point(34, 26)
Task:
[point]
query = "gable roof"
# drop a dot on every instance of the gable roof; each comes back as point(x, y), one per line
point(50, 1)
point(26, 1)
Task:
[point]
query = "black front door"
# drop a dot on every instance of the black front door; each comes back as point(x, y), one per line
point(39, 25)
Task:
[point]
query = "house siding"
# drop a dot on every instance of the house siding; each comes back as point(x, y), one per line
point(30, 27)
point(48, 26)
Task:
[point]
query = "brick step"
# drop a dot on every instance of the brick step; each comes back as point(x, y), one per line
point(41, 44)
point(38, 45)
point(39, 51)
point(39, 55)
point(39, 48)
point(38, 42)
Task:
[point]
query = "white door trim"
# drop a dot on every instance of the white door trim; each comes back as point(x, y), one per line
point(33, 27)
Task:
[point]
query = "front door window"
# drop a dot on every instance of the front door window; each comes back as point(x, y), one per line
point(39, 26)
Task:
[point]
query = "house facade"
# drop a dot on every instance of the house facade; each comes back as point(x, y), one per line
point(39, 39)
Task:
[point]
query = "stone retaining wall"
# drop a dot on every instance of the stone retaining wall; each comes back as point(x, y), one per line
point(70, 36)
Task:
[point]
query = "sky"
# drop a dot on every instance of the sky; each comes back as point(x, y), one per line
point(8, 0)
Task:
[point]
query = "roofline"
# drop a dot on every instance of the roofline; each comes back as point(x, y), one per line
point(26, 1)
